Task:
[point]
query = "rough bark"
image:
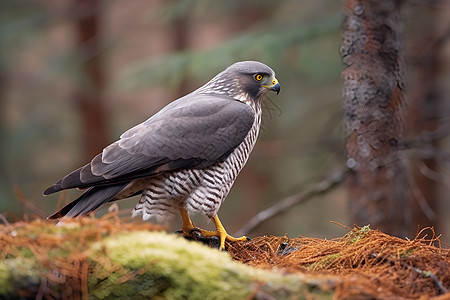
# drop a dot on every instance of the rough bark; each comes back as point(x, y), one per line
point(374, 109)
point(89, 98)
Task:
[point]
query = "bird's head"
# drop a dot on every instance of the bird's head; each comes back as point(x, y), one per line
point(245, 80)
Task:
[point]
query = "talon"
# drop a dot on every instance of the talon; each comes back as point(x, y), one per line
point(208, 237)
point(214, 242)
point(223, 235)
point(195, 233)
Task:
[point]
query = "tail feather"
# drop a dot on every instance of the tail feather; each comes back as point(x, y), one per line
point(74, 180)
point(53, 189)
point(89, 201)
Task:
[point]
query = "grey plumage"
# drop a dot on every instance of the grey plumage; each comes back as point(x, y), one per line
point(185, 156)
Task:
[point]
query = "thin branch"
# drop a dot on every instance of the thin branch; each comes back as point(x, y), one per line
point(429, 151)
point(418, 194)
point(5, 221)
point(442, 289)
point(431, 174)
point(426, 137)
point(26, 203)
point(284, 205)
point(422, 201)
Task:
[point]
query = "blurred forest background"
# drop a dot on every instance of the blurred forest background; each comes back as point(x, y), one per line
point(75, 74)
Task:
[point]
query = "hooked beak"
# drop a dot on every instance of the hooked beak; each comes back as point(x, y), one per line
point(275, 86)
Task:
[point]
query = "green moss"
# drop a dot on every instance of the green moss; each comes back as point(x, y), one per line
point(356, 235)
point(323, 263)
point(25, 252)
point(6, 287)
point(166, 266)
point(152, 265)
point(19, 273)
point(407, 253)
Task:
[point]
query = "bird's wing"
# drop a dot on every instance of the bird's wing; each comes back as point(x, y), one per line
point(193, 132)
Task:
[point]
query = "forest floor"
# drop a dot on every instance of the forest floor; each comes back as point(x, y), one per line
point(363, 264)
point(39, 260)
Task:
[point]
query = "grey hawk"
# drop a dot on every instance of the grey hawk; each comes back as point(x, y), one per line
point(184, 158)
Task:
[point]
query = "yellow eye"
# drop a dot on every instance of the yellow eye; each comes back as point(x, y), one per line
point(258, 77)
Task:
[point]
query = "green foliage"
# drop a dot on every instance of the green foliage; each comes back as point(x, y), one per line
point(265, 45)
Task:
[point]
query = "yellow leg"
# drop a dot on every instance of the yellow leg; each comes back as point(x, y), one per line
point(223, 235)
point(220, 232)
point(187, 223)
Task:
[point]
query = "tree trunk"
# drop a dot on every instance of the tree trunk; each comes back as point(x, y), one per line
point(374, 109)
point(5, 183)
point(89, 97)
point(425, 114)
point(180, 33)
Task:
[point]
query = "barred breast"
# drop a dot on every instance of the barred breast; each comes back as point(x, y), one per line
point(196, 190)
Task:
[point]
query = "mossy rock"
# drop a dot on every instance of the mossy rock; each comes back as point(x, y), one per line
point(154, 265)
point(168, 267)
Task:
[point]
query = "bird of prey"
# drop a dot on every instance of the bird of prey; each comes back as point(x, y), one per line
point(184, 158)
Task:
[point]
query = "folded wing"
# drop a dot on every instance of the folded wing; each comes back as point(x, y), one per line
point(195, 131)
